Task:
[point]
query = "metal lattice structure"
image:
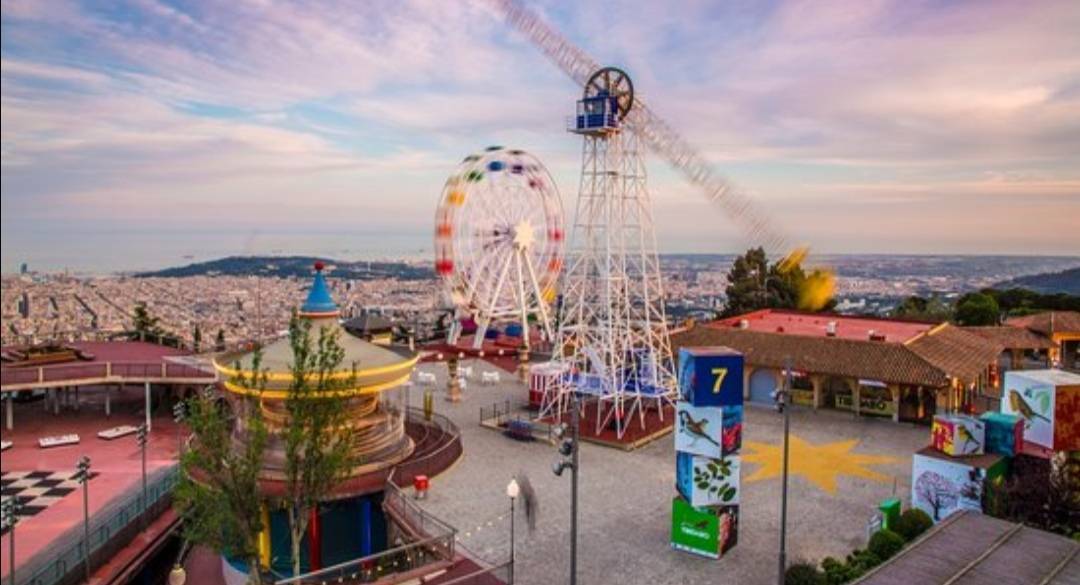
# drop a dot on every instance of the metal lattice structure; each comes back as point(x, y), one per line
point(613, 330)
point(499, 242)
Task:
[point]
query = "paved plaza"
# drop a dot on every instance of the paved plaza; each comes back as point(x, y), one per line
point(842, 468)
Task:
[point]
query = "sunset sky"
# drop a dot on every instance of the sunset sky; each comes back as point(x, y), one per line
point(868, 126)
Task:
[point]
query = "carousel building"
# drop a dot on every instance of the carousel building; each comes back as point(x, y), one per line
point(392, 446)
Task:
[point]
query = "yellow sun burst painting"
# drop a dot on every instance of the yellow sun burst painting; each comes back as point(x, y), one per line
point(819, 464)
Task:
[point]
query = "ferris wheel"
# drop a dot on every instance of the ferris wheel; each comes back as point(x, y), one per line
point(499, 242)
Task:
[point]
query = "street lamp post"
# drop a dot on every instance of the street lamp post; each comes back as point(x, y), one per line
point(783, 405)
point(140, 437)
point(83, 476)
point(569, 448)
point(11, 517)
point(512, 491)
point(179, 415)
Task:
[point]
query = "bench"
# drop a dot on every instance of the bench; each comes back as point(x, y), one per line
point(519, 430)
point(58, 441)
point(117, 432)
point(489, 378)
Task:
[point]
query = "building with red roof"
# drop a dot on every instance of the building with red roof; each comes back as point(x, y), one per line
point(904, 370)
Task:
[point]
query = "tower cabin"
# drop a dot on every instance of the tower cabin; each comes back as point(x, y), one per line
point(598, 114)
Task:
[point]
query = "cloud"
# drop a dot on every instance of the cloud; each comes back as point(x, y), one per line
point(832, 114)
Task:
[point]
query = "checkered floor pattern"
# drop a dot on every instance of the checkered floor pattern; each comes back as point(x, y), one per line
point(36, 490)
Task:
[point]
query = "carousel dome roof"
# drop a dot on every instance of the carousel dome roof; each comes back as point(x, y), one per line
point(377, 367)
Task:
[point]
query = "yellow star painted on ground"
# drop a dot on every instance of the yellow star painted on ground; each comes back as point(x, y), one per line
point(819, 464)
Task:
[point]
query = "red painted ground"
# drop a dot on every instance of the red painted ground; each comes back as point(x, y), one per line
point(814, 325)
point(654, 427)
point(117, 462)
point(508, 361)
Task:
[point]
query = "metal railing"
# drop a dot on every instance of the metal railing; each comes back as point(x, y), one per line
point(435, 545)
point(111, 529)
point(497, 575)
point(500, 415)
point(57, 375)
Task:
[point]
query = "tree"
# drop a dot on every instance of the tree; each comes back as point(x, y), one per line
point(196, 338)
point(925, 309)
point(977, 309)
point(218, 496)
point(219, 340)
point(937, 491)
point(755, 284)
point(319, 437)
point(145, 324)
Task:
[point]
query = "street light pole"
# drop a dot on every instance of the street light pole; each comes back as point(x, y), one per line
point(178, 417)
point(140, 436)
point(83, 475)
point(784, 395)
point(569, 448)
point(512, 490)
point(11, 516)
point(575, 423)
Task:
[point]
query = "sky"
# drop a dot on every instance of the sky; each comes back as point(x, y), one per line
point(145, 129)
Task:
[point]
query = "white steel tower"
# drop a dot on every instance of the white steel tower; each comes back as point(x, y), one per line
point(612, 331)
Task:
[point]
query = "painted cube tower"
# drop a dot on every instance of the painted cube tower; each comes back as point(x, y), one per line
point(1048, 401)
point(711, 376)
point(708, 438)
point(958, 435)
point(1004, 433)
point(942, 485)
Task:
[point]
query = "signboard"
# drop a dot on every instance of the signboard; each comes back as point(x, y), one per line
point(698, 430)
point(711, 376)
point(704, 481)
point(708, 532)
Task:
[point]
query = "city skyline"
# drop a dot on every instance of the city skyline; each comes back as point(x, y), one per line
point(881, 127)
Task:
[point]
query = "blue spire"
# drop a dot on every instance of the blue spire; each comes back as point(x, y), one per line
point(319, 299)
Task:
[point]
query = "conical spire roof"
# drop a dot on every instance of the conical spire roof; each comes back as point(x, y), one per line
point(319, 303)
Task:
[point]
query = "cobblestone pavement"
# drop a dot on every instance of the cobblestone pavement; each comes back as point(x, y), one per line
point(625, 497)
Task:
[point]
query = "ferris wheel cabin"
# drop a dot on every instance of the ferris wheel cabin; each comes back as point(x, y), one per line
point(596, 115)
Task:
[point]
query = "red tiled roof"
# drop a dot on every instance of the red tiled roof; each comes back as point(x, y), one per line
point(816, 325)
point(1049, 322)
point(1012, 337)
point(956, 352)
point(876, 360)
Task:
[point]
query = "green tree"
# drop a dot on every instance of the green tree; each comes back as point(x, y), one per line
point(926, 309)
point(319, 437)
point(977, 309)
point(219, 340)
point(144, 324)
point(196, 338)
point(755, 284)
point(218, 495)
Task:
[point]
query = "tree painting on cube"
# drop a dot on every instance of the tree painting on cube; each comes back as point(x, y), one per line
point(941, 487)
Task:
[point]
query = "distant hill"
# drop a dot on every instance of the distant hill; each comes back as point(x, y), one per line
point(1066, 281)
point(293, 266)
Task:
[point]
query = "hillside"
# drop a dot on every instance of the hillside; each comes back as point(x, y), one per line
point(1066, 281)
point(293, 266)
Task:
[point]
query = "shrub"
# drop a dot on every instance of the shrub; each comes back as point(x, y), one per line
point(804, 573)
point(885, 543)
point(912, 523)
point(836, 572)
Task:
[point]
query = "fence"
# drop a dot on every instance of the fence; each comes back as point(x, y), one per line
point(111, 529)
point(59, 375)
point(500, 415)
point(435, 545)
